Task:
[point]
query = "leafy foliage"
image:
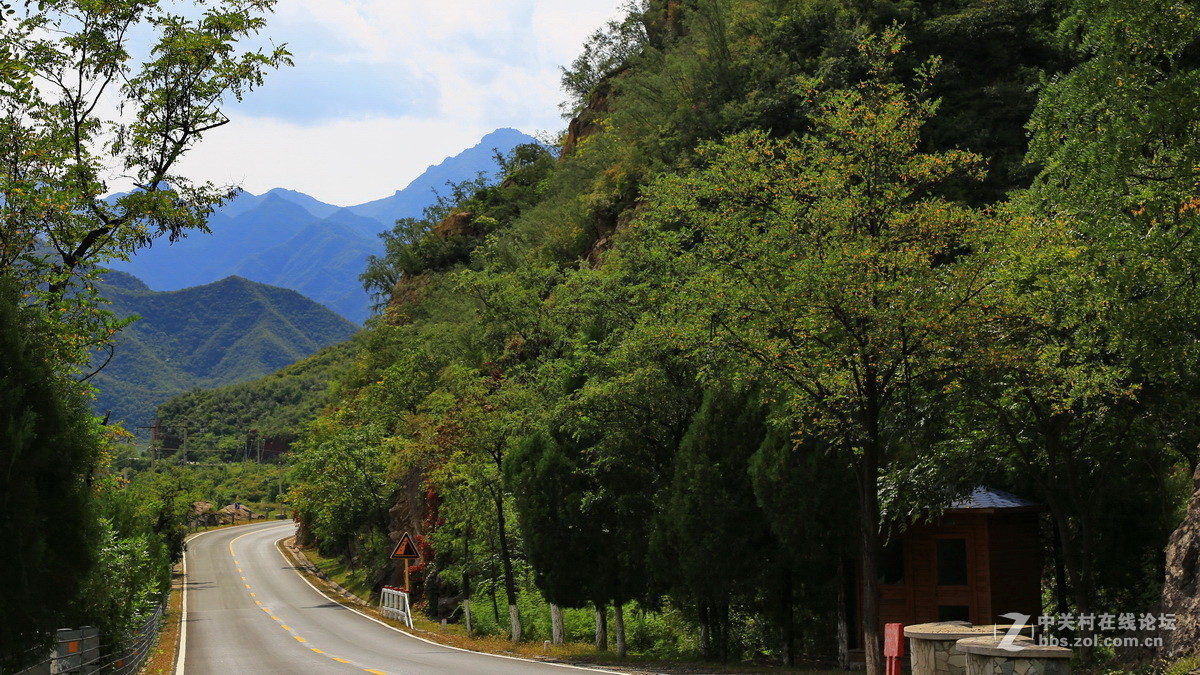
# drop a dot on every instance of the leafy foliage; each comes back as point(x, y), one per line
point(70, 57)
point(49, 448)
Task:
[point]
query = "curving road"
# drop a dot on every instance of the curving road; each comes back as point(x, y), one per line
point(247, 610)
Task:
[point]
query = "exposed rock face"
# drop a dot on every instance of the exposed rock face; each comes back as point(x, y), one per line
point(1181, 592)
point(586, 122)
point(405, 294)
point(457, 224)
point(406, 515)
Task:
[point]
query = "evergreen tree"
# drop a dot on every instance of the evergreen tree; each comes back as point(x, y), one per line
point(710, 517)
point(48, 455)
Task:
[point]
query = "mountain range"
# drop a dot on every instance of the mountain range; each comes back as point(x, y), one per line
point(233, 330)
point(289, 239)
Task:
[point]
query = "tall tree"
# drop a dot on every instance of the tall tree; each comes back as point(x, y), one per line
point(48, 455)
point(709, 512)
point(1100, 402)
point(827, 268)
point(72, 64)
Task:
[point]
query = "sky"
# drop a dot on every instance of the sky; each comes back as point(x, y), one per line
point(382, 89)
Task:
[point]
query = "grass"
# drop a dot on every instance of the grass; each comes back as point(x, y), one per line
point(162, 655)
point(455, 634)
point(1189, 664)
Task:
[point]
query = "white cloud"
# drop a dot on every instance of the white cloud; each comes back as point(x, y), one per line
point(348, 134)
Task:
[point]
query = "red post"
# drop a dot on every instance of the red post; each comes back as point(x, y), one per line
point(893, 646)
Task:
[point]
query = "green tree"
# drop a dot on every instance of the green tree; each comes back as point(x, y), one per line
point(710, 512)
point(1099, 401)
point(827, 269)
point(48, 455)
point(75, 61)
point(341, 487)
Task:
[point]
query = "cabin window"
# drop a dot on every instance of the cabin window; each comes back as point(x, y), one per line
point(952, 562)
point(891, 563)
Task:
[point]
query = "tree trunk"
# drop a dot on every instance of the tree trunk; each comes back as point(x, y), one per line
point(514, 622)
point(510, 583)
point(869, 530)
point(843, 621)
point(721, 630)
point(619, 625)
point(601, 629)
point(706, 651)
point(467, 581)
point(787, 627)
point(556, 624)
point(492, 586)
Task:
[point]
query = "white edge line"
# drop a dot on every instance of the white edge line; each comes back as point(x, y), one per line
point(182, 651)
point(439, 644)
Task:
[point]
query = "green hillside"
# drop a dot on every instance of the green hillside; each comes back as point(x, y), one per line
point(272, 408)
point(222, 333)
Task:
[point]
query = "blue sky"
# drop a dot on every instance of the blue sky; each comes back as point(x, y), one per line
point(383, 88)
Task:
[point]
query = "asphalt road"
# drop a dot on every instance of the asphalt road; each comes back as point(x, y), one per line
point(249, 611)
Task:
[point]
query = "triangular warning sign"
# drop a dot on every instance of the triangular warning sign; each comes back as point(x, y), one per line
point(406, 549)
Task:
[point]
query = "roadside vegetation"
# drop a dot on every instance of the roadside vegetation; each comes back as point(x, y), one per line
point(799, 275)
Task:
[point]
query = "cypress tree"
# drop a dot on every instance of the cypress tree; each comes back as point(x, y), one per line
point(48, 453)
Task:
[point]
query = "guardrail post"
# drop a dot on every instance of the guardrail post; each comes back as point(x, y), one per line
point(68, 643)
point(90, 653)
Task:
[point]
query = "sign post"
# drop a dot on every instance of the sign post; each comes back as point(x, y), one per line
point(893, 646)
point(406, 550)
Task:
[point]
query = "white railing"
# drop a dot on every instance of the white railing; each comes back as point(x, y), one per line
point(393, 604)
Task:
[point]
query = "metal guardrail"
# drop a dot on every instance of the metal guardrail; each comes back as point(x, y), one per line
point(393, 604)
point(78, 651)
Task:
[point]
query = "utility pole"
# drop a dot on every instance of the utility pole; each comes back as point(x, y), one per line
point(154, 439)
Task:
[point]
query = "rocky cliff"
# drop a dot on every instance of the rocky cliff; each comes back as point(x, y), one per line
point(1181, 591)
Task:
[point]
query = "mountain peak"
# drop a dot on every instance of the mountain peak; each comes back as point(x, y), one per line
point(412, 200)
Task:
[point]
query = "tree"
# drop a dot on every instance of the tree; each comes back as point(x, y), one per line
point(829, 270)
point(341, 483)
point(71, 62)
point(710, 511)
point(48, 454)
point(1099, 401)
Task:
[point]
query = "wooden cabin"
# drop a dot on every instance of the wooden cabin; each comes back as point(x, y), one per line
point(980, 559)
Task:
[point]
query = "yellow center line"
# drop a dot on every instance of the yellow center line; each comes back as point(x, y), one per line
point(339, 660)
point(247, 585)
point(283, 626)
point(298, 638)
point(317, 650)
point(253, 595)
point(258, 602)
point(266, 610)
point(274, 617)
point(239, 570)
point(376, 672)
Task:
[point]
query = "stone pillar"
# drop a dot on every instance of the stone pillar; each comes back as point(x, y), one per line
point(986, 656)
point(933, 649)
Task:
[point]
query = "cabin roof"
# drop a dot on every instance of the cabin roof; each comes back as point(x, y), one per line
point(990, 498)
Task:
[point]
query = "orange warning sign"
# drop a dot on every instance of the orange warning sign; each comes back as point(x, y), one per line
point(406, 549)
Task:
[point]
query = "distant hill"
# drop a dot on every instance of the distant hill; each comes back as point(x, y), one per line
point(272, 408)
point(230, 331)
point(289, 239)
